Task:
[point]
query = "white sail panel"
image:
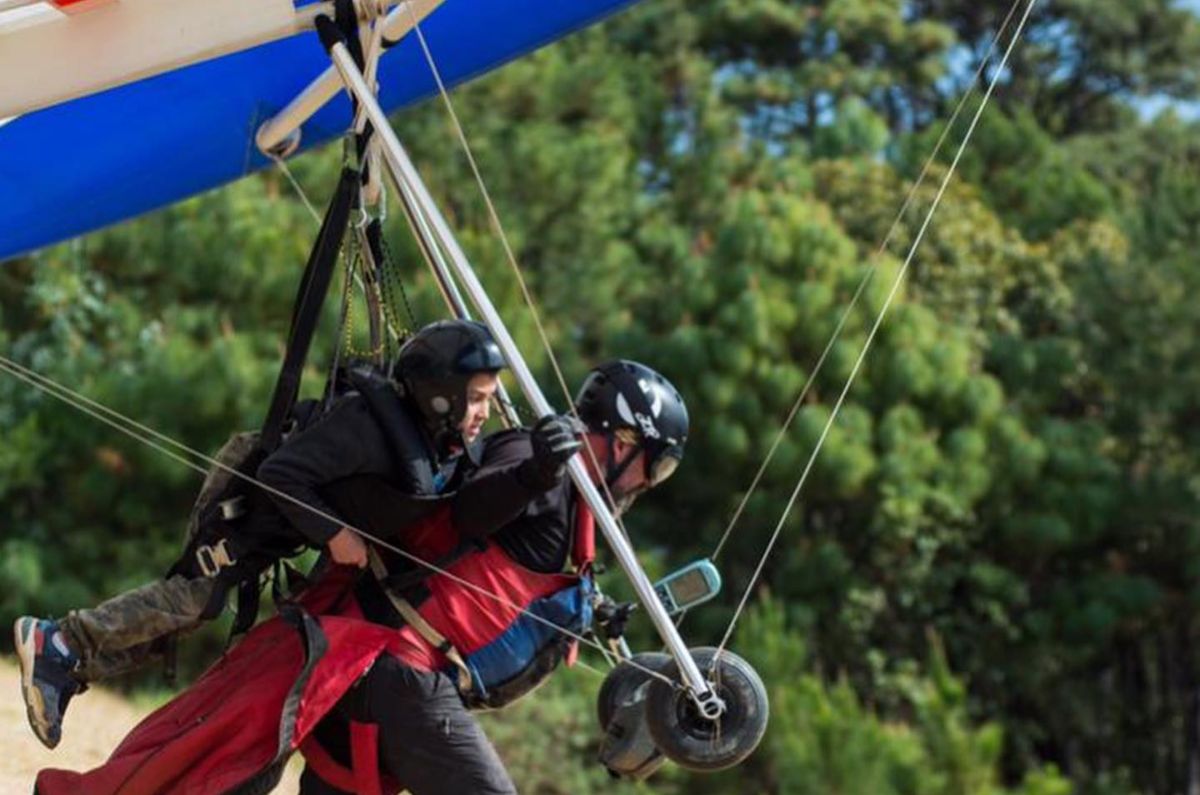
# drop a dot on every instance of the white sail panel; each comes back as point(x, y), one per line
point(113, 43)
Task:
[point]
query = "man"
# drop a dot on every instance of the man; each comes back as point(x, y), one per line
point(411, 432)
point(393, 691)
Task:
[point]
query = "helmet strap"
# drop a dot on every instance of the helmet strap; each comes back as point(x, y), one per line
point(443, 436)
point(614, 469)
point(448, 439)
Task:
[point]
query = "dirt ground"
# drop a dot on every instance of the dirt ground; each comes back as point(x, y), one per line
point(95, 723)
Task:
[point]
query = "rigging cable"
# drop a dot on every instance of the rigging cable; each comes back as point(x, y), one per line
point(874, 329)
point(283, 166)
point(874, 266)
point(494, 217)
point(162, 442)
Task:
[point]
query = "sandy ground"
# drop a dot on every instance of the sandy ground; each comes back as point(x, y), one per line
point(95, 723)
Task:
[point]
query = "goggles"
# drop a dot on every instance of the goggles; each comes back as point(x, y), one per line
point(659, 464)
point(662, 466)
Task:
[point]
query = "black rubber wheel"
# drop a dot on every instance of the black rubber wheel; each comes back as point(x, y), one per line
point(695, 742)
point(622, 682)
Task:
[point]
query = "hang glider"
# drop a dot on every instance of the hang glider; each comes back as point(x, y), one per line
point(112, 108)
point(139, 103)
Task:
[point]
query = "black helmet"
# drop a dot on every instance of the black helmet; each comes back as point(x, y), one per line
point(625, 394)
point(434, 366)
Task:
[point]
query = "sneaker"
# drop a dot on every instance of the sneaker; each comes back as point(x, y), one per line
point(46, 681)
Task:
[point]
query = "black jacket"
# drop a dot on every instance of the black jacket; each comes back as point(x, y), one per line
point(534, 527)
point(494, 503)
point(356, 437)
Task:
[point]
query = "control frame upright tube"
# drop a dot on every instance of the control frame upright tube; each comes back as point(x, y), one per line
point(405, 174)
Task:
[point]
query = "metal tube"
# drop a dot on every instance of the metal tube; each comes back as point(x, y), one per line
point(404, 172)
point(419, 226)
point(277, 129)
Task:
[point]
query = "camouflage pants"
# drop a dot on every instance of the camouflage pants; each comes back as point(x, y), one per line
point(118, 635)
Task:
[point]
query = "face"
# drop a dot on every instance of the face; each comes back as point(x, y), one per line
point(480, 390)
point(632, 481)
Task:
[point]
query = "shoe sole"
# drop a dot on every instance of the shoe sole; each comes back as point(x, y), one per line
point(35, 705)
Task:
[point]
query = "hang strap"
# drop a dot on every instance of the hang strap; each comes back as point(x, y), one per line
point(307, 309)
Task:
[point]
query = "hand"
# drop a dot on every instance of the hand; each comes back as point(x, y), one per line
point(555, 440)
point(347, 548)
point(611, 616)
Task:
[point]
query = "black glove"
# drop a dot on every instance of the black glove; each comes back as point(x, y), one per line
point(555, 439)
point(610, 617)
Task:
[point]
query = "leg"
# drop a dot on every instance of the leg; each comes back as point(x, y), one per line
point(58, 658)
point(117, 635)
point(428, 740)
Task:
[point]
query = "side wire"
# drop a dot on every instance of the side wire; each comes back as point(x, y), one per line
point(862, 285)
point(162, 442)
point(874, 330)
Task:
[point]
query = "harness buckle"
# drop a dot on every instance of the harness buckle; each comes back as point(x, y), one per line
point(233, 508)
point(214, 557)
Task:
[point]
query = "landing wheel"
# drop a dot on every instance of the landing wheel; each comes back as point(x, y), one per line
point(695, 742)
point(621, 684)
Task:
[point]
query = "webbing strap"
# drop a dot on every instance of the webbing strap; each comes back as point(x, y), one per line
point(307, 309)
point(326, 767)
point(364, 757)
point(362, 777)
point(422, 627)
point(345, 16)
point(583, 547)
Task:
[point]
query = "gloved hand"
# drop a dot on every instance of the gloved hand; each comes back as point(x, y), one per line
point(555, 439)
point(610, 617)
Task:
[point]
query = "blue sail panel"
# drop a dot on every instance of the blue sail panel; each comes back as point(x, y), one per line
point(97, 160)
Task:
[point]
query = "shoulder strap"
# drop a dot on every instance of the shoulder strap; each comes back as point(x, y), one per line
point(583, 545)
point(412, 452)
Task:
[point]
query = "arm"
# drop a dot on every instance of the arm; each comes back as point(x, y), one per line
point(497, 492)
point(342, 443)
point(518, 467)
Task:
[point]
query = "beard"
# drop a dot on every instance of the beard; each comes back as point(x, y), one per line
point(621, 500)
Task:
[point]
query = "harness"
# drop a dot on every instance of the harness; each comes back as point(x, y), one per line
point(363, 775)
point(220, 544)
point(235, 531)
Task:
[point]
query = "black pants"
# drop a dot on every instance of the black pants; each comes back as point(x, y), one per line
point(428, 741)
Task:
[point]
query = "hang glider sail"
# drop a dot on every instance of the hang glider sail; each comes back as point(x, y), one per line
point(193, 81)
point(197, 106)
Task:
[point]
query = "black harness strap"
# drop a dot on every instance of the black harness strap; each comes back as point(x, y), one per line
point(307, 310)
point(346, 19)
point(310, 296)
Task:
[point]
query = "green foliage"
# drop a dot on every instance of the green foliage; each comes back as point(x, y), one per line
point(1081, 61)
point(704, 186)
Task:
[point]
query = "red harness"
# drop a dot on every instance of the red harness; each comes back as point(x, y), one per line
point(188, 744)
point(467, 618)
